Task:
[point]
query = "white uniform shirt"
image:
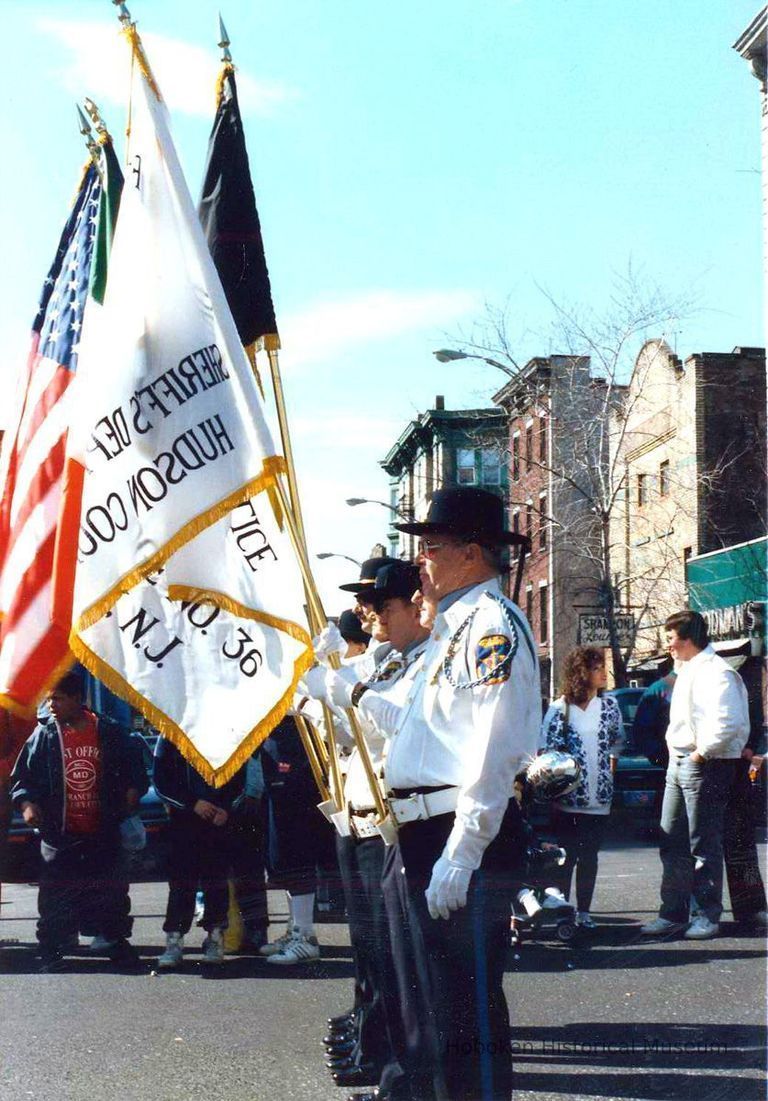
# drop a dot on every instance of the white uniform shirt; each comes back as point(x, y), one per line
point(475, 738)
point(359, 668)
point(391, 689)
point(709, 711)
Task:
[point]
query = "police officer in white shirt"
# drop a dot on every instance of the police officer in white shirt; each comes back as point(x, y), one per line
point(367, 1054)
point(708, 728)
point(469, 725)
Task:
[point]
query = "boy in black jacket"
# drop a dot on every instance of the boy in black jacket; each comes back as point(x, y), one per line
point(200, 851)
point(76, 778)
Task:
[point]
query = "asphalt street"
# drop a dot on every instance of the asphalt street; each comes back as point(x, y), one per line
point(612, 1018)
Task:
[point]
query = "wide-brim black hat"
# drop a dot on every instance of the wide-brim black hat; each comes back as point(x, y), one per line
point(368, 572)
point(468, 513)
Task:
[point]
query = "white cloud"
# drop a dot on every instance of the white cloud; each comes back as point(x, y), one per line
point(98, 65)
point(324, 330)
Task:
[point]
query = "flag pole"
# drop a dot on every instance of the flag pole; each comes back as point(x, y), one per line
point(310, 749)
point(317, 611)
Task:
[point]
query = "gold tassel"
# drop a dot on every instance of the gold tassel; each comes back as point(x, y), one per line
point(273, 465)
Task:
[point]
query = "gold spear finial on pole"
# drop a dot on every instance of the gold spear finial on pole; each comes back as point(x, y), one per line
point(96, 119)
point(224, 44)
point(122, 13)
point(87, 132)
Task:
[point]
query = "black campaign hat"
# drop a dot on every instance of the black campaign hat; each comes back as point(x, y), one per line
point(351, 629)
point(396, 579)
point(368, 572)
point(468, 513)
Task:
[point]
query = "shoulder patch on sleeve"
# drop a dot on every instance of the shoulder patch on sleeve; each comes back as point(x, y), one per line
point(492, 658)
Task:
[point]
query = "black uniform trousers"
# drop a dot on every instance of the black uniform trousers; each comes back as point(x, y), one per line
point(361, 862)
point(742, 866)
point(82, 885)
point(248, 871)
point(410, 1074)
point(199, 858)
point(464, 959)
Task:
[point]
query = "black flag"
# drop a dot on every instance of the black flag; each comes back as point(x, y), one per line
point(231, 223)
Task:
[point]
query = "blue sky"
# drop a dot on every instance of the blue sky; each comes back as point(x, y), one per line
point(412, 163)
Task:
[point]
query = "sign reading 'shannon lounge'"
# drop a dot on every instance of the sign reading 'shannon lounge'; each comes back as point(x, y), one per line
point(593, 629)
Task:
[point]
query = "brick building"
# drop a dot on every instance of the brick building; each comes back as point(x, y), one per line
point(443, 447)
point(692, 447)
point(550, 407)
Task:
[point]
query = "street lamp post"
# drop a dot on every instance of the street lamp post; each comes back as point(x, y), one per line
point(332, 554)
point(448, 355)
point(368, 501)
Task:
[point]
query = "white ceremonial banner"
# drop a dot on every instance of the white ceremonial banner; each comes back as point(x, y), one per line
point(178, 463)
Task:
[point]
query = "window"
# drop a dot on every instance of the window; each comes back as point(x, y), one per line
point(642, 490)
point(516, 457)
point(465, 466)
point(542, 439)
point(516, 530)
point(543, 614)
point(543, 522)
point(529, 519)
point(491, 466)
point(529, 604)
point(664, 479)
point(529, 446)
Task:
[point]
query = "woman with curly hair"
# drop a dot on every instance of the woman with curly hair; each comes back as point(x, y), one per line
point(588, 727)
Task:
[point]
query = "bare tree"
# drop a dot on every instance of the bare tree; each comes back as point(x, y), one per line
point(584, 390)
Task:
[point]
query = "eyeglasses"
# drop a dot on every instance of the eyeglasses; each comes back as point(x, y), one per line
point(427, 549)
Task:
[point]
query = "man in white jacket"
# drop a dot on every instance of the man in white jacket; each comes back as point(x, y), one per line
point(708, 728)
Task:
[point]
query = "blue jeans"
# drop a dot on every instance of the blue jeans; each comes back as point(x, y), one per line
point(691, 847)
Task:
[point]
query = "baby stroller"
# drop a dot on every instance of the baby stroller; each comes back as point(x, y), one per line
point(538, 907)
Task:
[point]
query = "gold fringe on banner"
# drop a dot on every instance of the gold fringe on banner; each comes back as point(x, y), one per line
point(272, 467)
point(229, 604)
point(250, 351)
point(227, 69)
point(170, 730)
point(137, 52)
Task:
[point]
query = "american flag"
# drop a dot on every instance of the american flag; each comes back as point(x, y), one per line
point(33, 649)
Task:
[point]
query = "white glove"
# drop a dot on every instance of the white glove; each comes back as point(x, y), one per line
point(328, 642)
point(447, 890)
point(339, 687)
point(312, 684)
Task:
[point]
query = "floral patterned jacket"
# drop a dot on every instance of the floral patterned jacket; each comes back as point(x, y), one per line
point(610, 736)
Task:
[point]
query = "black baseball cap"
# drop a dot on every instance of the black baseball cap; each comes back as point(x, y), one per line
point(351, 629)
point(368, 572)
point(396, 578)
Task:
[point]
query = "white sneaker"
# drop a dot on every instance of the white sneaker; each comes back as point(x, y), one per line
point(701, 928)
point(213, 946)
point(174, 951)
point(660, 925)
point(100, 945)
point(272, 947)
point(298, 949)
point(584, 920)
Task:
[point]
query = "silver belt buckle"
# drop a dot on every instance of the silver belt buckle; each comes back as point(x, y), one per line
point(417, 800)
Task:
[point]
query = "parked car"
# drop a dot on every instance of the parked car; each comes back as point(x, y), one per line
point(638, 783)
point(23, 849)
